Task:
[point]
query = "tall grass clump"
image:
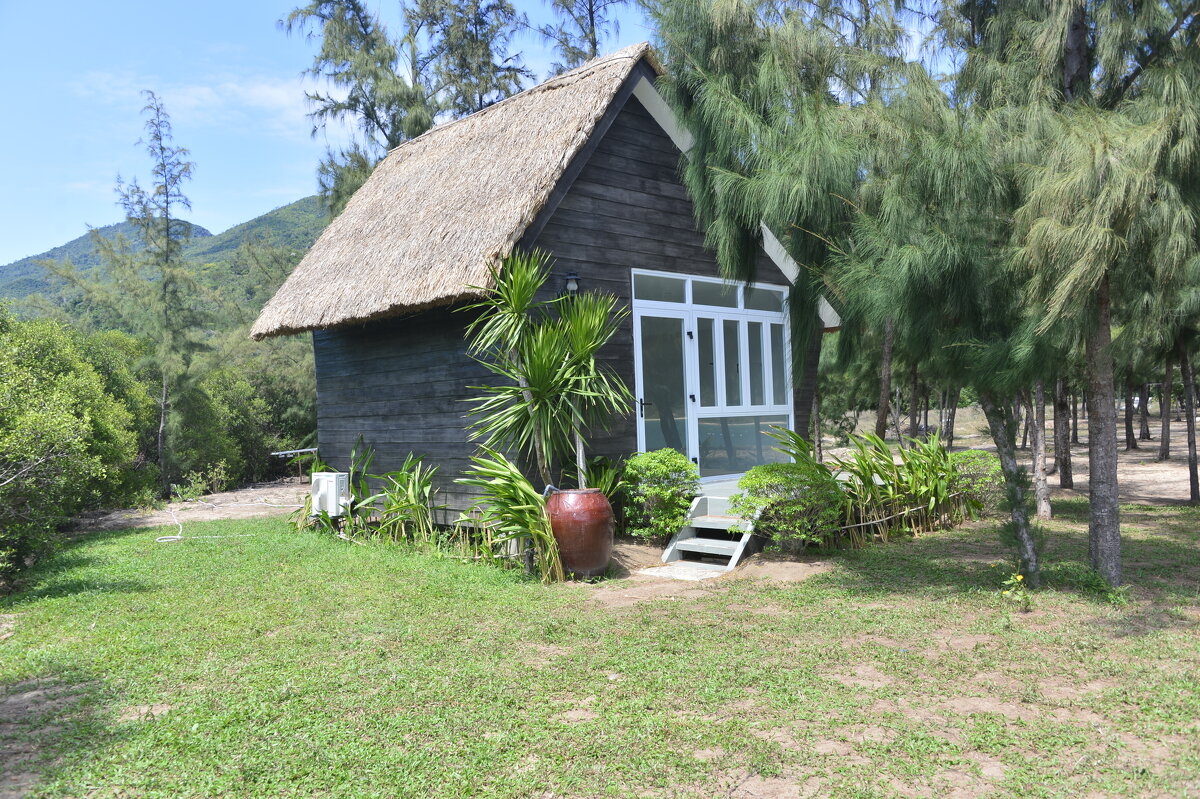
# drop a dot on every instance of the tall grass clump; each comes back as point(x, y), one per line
point(511, 512)
point(873, 491)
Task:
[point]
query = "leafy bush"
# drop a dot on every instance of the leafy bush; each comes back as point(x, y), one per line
point(64, 440)
point(659, 489)
point(795, 505)
point(907, 490)
point(978, 476)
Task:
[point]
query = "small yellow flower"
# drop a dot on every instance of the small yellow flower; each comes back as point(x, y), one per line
point(1020, 577)
point(1006, 593)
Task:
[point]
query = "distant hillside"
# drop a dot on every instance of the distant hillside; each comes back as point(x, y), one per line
point(296, 225)
point(24, 277)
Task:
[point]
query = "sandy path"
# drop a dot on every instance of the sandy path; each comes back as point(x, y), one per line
point(261, 499)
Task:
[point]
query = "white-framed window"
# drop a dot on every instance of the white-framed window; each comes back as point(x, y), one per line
point(713, 368)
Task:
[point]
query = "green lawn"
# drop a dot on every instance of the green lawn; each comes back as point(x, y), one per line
point(282, 664)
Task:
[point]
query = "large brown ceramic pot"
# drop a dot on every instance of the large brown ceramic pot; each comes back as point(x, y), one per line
point(582, 521)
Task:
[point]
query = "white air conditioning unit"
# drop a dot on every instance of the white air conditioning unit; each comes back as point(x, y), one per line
point(330, 493)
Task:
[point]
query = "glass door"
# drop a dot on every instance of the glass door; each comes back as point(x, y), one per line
point(662, 381)
point(711, 363)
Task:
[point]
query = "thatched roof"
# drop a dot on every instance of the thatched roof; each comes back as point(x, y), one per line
point(442, 209)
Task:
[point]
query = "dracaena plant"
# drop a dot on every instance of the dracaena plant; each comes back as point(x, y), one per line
point(552, 387)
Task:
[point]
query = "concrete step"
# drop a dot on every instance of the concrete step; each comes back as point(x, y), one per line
point(709, 546)
point(712, 522)
point(685, 570)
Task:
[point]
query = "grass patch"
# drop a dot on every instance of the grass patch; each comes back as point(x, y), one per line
point(294, 664)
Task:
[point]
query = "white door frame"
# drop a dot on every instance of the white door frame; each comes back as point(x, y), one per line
point(689, 313)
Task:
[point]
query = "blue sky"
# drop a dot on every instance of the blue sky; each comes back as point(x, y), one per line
point(229, 78)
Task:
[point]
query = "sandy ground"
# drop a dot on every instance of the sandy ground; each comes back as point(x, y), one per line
point(1142, 479)
point(261, 499)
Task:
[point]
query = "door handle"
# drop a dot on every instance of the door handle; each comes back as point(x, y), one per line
point(692, 397)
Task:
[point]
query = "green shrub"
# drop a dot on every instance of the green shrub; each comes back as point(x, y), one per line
point(978, 476)
point(64, 440)
point(659, 489)
point(795, 505)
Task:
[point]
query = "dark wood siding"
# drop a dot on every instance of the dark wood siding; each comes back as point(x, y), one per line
point(402, 383)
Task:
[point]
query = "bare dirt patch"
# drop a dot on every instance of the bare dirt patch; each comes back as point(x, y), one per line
point(759, 787)
point(762, 566)
point(261, 499)
point(874, 735)
point(640, 588)
point(865, 676)
point(871, 640)
point(954, 641)
point(995, 679)
point(8, 623)
point(629, 556)
point(33, 710)
point(578, 715)
point(1062, 690)
point(838, 749)
point(936, 723)
point(784, 736)
point(545, 654)
point(966, 705)
point(144, 712)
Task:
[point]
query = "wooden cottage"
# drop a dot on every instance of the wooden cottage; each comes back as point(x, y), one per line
point(586, 167)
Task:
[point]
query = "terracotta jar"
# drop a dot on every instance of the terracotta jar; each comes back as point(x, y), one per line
point(582, 521)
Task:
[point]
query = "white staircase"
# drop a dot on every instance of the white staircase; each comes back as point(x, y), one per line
point(712, 542)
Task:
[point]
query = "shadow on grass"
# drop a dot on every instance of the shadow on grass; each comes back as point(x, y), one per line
point(45, 722)
point(1162, 566)
point(54, 576)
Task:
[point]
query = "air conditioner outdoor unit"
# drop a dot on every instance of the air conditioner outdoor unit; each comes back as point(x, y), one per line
point(330, 493)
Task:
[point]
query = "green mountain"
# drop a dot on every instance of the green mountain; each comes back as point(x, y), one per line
point(296, 225)
point(26, 276)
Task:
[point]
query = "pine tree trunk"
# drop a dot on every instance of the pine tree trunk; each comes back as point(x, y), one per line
point(1189, 405)
point(162, 439)
point(816, 415)
point(1041, 488)
point(885, 381)
point(925, 412)
point(913, 402)
point(1074, 418)
point(1164, 409)
point(1104, 527)
point(1144, 413)
point(1025, 431)
point(896, 419)
point(1130, 436)
point(1056, 422)
point(951, 413)
point(1004, 434)
point(807, 387)
point(1062, 435)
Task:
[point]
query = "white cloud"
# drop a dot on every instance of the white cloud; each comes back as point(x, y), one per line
point(266, 104)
